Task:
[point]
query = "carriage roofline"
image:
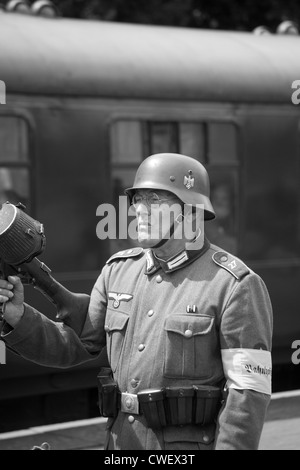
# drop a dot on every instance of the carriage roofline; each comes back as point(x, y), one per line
point(66, 57)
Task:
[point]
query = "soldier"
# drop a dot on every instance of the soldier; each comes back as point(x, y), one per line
point(187, 326)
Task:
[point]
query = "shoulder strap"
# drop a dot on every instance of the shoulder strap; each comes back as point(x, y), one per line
point(233, 265)
point(130, 253)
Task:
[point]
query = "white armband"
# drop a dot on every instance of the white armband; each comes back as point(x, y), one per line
point(248, 369)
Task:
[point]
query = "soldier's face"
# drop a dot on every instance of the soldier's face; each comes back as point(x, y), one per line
point(155, 211)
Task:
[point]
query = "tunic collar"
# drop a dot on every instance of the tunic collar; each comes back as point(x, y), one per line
point(176, 262)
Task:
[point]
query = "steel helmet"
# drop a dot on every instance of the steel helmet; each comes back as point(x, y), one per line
point(179, 174)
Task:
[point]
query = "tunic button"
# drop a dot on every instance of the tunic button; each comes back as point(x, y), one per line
point(131, 419)
point(150, 313)
point(141, 347)
point(133, 383)
point(205, 438)
point(106, 328)
point(188, 333)
point(158, 278)
point(223, 258)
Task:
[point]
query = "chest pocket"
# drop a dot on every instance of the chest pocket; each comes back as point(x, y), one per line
point(189, 345)
point(115, 327)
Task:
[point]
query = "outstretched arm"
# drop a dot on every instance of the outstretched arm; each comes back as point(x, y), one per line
point(41, 340)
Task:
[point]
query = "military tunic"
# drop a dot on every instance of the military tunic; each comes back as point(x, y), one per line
point(197, 319)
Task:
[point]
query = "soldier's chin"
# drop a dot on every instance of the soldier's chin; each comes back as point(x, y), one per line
point(145, 241)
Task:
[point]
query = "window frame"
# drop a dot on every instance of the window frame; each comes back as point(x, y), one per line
point(30, 163)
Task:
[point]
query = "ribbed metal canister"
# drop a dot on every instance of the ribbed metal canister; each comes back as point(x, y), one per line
point(21, 237)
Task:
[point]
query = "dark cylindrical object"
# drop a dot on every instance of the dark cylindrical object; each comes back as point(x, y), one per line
point(21, 240)
point(21, 237)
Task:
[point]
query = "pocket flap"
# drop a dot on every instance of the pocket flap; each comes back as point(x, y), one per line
point(115, 321)
point(189, 325)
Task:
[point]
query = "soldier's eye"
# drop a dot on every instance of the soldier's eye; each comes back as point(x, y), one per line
point(153, 199)
point(136, 199)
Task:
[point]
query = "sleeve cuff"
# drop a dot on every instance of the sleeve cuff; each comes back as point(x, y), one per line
point(13, 335)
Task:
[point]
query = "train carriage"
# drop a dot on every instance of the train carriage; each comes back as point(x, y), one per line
point(86, 101)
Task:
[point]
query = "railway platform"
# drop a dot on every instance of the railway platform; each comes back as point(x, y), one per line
point(281, 430)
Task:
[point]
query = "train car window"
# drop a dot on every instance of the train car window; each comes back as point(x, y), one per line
point(126, 142)
point(14, 170)
point(14, 185)
point(223, 166)
point(223, 230)
point(222, 143)
point(160, 137)
point(126, 154)
point(192, 137)
point(13, 138)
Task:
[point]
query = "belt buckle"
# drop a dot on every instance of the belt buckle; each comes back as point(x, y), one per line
point(129, 403)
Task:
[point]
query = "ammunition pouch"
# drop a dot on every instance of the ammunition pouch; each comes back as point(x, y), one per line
point(178, 406)
point(152, 406)
point(107, 393)
point(169, 406)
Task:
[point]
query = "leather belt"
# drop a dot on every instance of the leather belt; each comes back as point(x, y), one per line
point(173, 406)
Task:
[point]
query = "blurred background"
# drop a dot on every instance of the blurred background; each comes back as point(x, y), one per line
point(92, 88)
point(234, 15)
